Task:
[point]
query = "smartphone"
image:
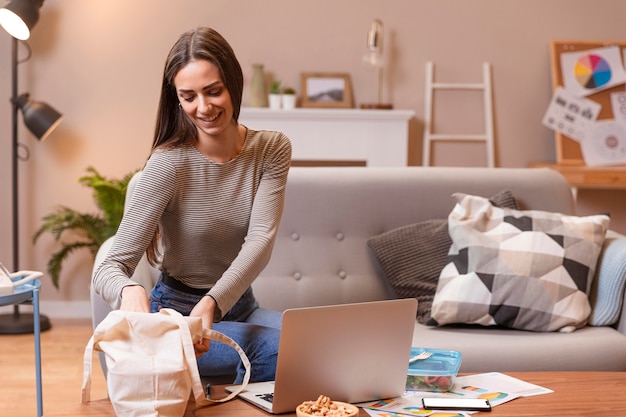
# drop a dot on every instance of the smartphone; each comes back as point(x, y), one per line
point(460, 404)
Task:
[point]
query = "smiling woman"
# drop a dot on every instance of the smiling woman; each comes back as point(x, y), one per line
point(210, 197)
point(207, 103)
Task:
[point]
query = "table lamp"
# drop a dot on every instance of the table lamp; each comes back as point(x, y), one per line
point(374, 58)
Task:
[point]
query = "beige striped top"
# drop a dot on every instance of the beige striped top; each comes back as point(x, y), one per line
point(218, 220)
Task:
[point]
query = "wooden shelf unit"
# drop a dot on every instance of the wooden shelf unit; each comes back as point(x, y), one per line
point(584, 177)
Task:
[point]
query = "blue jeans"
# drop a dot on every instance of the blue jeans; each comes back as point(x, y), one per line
point(255, 329)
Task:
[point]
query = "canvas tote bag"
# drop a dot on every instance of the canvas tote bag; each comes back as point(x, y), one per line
point(152, 368)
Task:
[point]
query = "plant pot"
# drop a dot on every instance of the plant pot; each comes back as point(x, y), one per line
point(289, 101)
point(274, 101)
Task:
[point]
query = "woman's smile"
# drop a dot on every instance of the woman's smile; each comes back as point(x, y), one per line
point(207, 120)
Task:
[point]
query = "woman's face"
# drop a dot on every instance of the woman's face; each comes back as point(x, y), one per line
point(204, 97)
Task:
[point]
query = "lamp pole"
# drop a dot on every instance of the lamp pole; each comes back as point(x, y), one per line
point(14, 155)
point(17, 323)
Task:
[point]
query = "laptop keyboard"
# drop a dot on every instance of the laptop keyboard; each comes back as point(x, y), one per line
point(267, 397)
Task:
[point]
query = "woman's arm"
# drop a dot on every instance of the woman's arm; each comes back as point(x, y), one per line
point(150, 196)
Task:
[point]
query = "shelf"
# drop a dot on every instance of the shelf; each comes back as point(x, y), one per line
point(262, 113)
point(339, 136)
point(584, 177)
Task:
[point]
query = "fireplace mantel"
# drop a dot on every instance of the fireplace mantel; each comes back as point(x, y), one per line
point(375, 138)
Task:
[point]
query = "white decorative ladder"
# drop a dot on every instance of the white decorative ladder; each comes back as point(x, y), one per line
point(430, 137)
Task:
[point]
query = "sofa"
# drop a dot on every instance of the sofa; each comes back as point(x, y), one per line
point(323, 255)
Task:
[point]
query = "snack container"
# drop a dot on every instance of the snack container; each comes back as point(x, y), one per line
point(435, 374)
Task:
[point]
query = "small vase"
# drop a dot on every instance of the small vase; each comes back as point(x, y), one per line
point(289, 101)
point(275, 101)
point(258, 92)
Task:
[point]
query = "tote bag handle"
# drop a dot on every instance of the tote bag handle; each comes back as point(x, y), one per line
point(196, 383)
point(189, 352)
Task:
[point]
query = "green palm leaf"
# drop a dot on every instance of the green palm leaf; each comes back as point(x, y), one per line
point(74, 230)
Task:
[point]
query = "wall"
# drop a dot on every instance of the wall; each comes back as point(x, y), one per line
point(99, 62)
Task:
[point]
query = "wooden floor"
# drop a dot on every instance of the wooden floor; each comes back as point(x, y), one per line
point(62, 349)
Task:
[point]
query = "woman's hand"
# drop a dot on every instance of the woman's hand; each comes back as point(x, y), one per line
point(134, 298)
point(205, 309)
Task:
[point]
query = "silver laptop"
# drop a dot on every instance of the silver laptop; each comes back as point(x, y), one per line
point(350, 352)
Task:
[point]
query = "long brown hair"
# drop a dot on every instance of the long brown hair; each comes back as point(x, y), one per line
point(173, 127)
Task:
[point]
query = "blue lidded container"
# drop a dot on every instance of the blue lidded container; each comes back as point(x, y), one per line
point(435, 374)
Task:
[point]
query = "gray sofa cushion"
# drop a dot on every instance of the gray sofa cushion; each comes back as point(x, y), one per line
point(528, 270)
point(488, 349)
point(411, 257)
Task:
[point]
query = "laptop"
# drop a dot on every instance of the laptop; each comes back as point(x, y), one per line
point(349, 352)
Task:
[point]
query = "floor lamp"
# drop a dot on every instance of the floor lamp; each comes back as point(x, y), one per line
point(18, 17)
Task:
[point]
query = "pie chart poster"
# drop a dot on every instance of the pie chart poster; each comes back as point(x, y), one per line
point(593, 70)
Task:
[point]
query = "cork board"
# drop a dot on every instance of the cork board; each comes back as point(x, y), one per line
point(568, 150)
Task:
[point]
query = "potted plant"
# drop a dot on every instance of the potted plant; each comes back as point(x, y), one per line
point(289, 98)
point(88, 230)
point(274, 95)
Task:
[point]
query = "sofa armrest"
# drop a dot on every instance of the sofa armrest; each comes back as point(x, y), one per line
point(99, 307)
point(607, 293)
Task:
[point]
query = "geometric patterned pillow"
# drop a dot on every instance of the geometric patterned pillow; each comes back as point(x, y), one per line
point(528, 270)
point(410, 258)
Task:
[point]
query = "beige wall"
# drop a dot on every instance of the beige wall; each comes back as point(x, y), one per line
point(100, 63)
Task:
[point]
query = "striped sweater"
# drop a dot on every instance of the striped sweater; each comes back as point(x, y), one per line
point(218, 221)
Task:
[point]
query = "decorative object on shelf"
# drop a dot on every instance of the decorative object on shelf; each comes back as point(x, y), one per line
point(18, 18)
point(258, 90)
point(274, 96)
point(326, 90)
point(91, 229)
point(374, 59)
point(288, 98)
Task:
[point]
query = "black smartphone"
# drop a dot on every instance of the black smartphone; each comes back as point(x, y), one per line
point(460, 404)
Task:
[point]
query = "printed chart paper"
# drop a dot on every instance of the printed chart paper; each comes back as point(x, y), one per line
point(571, 115)
point(606, 145)
point(618, 106)
point(498, 388)
point(586, 72)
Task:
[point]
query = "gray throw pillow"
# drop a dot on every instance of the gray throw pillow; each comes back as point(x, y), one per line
point(411, 257)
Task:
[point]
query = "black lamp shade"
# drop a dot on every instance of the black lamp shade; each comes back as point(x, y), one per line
point(19, 17)
point(39, 118)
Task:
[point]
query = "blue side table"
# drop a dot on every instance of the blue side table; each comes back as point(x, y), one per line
point(29, 293)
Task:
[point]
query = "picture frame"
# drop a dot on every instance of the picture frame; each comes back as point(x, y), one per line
point(326, 90)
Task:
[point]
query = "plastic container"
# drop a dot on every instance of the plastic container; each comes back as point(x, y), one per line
point(435, 374)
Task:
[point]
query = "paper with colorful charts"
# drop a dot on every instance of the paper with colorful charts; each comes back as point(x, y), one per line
point(497, 387)
point(587, 72)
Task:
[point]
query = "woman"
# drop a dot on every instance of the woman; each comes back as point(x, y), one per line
point(210, 197)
